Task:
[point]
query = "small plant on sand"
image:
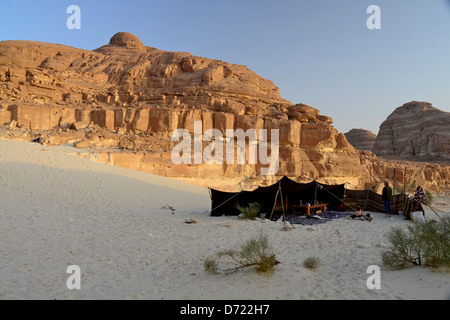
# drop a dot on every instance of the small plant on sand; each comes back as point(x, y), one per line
point(255, 252)
point(429, 198)
point(251, 211)
point(312, 263)
point(420, 243)
point(169, 208)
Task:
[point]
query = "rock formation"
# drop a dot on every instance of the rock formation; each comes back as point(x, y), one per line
point(124, 73)
point(124, 100)
point(361, 139)
point(415, 131)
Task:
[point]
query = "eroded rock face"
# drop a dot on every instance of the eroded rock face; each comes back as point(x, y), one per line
point(416, 131)
point(125, 39)
point(126, 73)
point(361, 139)
point(127, 99)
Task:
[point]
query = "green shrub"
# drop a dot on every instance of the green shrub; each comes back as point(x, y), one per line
point(429, 198)
point(250, 212)
point(437, 238)
point(420, 243)
point(255, 252)
point(311, 263)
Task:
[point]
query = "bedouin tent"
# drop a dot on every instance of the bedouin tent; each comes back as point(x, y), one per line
point(371, 201)
point(285, 191)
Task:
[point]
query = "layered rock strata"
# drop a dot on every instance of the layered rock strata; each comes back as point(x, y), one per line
point(361, 139)
point(415, 131)
point(124, 100)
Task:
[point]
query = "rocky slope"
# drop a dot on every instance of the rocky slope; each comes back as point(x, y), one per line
point(124, 100)
point(126, 73)
point(361, 139)
point(415, 131)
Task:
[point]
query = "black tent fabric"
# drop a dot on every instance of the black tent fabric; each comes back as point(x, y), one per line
point(372, 201)
point(286, 190)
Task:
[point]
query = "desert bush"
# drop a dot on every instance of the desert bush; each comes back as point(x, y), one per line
point(251, 211)
point(311, 263)
point(437, 239)
point(429, 198)
point(420, 243)
point(255, 252)
point(405, 247)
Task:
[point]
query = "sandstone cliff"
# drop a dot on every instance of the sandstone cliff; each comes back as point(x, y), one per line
point(124, 100)
point(361, 139)
point(126, 73)
point(415, 131)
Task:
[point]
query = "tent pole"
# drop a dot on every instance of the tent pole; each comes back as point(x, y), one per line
point(393, 186)
point(287, 203)
point(404, 191)
point(282, 203)
point(275, 203)
point(315, 193)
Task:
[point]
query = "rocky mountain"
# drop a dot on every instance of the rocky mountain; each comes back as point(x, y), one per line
point(126, 73)
point(361, 139)
point(416, 131)
point(123, 102)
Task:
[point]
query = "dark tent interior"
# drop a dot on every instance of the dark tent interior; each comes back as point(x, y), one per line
point(287, 194)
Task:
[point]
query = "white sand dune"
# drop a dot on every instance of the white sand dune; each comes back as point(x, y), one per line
point(58, 210)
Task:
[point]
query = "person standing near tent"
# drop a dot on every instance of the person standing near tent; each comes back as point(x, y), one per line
point(386, 196)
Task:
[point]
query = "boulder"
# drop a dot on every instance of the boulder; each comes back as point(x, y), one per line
point(361, 139)
point(416, 130)
point(79, 125)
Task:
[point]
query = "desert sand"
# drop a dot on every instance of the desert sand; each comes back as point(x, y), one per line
point(57, 210)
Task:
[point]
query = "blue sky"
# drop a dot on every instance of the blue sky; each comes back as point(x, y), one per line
point(317, 52)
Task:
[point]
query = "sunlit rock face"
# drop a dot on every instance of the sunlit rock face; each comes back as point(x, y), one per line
point(128, 98)
point(416, 131)
point(361, 139)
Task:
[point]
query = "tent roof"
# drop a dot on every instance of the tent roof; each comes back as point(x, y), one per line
point(288, 184)
point(225, 202)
